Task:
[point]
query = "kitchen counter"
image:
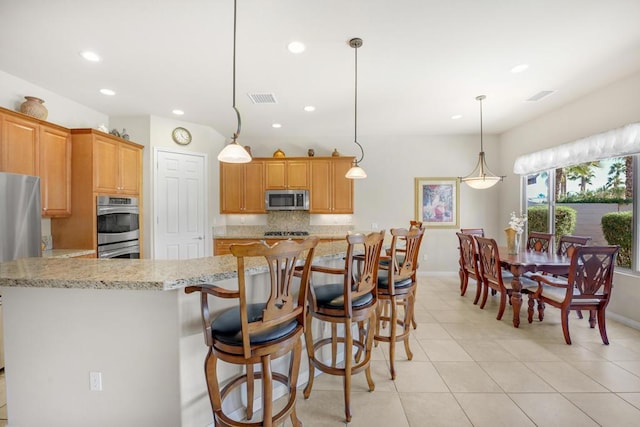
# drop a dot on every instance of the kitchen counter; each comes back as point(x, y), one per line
point(67, 253)
point(133, 274)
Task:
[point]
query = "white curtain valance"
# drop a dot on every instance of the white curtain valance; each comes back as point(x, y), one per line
point(619, 142)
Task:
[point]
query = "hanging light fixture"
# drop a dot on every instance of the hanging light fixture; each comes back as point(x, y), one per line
point(356, 172)
point(234, 152)
point(481, 177)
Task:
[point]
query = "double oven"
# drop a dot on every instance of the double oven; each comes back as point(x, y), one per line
point(118, 227)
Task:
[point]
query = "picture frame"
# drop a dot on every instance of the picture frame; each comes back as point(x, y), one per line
point(437, 202)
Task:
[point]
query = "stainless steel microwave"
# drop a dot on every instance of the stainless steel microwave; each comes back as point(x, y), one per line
point(286, 200)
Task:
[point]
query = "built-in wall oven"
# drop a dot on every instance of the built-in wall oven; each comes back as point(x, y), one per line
point(118, 227)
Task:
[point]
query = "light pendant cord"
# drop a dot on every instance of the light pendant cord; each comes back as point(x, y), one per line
point(237, 133)
point(481, 159)
point(356, 43)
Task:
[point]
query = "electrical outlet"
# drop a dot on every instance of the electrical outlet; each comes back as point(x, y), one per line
point(95, 381)
point(424, 257)
point(374, 226)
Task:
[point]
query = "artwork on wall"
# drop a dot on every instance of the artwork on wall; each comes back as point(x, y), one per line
point(437, 202)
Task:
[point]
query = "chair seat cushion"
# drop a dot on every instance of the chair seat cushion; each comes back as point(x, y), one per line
point(385, 261)
point(227, 327)
point(332, 296)
point(559, 294)
point(383, 281)
point(526, 283)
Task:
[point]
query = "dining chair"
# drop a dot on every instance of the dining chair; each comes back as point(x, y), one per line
point(350, 302)
point(566, 245)
point(397, 285)
point(494, 277)
point(587, 287)
point(539, 242)
point(473, 231)
point(257, 332)
point(469, 265)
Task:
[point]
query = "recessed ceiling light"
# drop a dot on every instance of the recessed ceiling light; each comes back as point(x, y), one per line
point(107, 92)
point(178, 112)
point(456, 116)
point(519, 68)
point(309, 108)
point(296, 47)
point(90, 56)
point(276, 125)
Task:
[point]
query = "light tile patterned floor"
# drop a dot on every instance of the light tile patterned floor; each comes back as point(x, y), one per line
point(470, 369)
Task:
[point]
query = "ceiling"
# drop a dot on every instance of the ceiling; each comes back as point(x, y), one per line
point(422, 61)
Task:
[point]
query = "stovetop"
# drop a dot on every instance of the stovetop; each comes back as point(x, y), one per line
point(285, 233)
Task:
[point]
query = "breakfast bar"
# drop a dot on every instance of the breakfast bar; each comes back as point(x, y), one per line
point(128, 322)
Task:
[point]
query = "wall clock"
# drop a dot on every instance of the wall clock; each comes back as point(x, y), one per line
point(181, 136)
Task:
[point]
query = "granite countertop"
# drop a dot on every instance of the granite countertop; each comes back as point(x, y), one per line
point(133, 274)
point(67, 253)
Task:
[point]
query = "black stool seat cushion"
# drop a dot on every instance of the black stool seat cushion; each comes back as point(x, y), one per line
point(385, 261)
point(332, 296)
point(227, 327)
point(383, 281)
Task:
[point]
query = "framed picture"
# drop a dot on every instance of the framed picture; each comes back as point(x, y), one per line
point(437, 202)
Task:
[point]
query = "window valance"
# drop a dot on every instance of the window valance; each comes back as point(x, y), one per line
point(619, 142)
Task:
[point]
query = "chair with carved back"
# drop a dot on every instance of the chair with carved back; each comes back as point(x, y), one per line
point(397, 283)
point(566, 245)
point(587, 287)
point(351, 301)
point(257, 330)
point(473, 231)
point(469, 264)
point(539, 242)
point(494, 277)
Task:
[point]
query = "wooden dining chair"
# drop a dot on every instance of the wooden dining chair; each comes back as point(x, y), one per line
point(473, 231)
point(587, 287)
point(397, 283)
point(539, 242)
point(350, 302)
point(494, 277)
point(566, 245)
point(469, 265)
point(253, 332)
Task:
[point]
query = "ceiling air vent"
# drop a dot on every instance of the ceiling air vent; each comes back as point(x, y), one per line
point(263, 98)
point(538, 96)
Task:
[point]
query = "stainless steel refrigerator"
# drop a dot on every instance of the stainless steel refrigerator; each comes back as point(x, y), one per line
point(20, 234)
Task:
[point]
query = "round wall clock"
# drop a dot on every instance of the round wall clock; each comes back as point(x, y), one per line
point(181, 136)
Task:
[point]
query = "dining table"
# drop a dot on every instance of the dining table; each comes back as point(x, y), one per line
point(529, 262)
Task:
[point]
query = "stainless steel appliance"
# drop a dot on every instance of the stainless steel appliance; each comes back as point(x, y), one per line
point(279, 233)
point(118, 227)
point(286, 200)
point(20, 232)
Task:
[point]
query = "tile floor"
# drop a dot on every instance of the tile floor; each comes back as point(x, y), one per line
point(470, 369)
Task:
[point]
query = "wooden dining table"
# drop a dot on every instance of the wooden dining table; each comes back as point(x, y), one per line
point(533, 262)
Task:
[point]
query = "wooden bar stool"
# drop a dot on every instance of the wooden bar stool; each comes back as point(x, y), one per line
point(258, 332)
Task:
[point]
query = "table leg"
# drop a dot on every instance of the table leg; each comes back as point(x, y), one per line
point(516, 296)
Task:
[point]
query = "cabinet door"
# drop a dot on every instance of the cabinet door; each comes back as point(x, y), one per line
point(320, 192)
point(276, 174)
point(105, 165)
point(298, 174)
point(20, 152)
point(55, 171)
point(130, 163)
point(342, 187)
point(231, 187)
point(254, 187)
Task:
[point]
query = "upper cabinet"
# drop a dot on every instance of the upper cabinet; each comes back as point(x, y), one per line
point(117, 165)
point(33, 147)
point(330, 191)
point(292, 174)
point(242, 187)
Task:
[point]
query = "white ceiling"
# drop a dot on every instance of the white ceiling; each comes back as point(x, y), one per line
point(422, 61)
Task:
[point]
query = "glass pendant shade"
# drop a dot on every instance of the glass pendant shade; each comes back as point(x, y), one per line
point(356, 172)
point(234, 153)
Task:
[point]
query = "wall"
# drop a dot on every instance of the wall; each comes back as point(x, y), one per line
point(608, 108)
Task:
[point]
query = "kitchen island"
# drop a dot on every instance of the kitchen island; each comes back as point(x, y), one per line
point(130, 321)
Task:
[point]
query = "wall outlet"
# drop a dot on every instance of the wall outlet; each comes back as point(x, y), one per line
point(95, 381)
point(424, 257)
point(374, 226)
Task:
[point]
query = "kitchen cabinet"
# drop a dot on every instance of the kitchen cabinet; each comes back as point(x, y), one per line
point(242, 187)
point(33, 147)
point(290, 174)
point(117, 166)
point(330, 191)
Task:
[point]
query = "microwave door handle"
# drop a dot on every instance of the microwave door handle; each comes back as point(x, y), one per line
point(116, 252)
point(116, 209)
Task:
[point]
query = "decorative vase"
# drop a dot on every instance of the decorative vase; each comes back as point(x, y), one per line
point(513, 241)
point(335, 153)
point(278, 153)
point(311, 152)
point(33, 107)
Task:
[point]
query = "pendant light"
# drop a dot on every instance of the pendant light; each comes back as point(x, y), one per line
point(481, 177)
point(234, 152)
point(356, 172)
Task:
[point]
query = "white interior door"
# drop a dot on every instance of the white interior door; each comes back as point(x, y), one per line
point(181, 203)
